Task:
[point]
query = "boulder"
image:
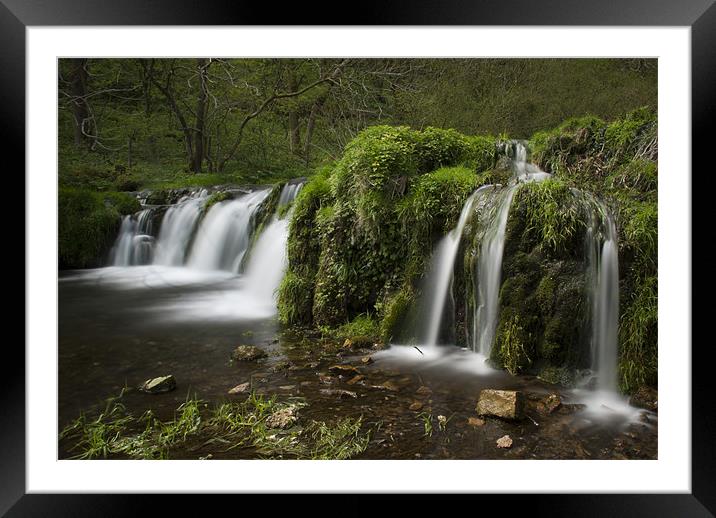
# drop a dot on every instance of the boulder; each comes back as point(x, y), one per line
point(159, 385)
point(238, 389)
point(247, 353)
point(645, 397)
point(282, 418)
point(506, 404)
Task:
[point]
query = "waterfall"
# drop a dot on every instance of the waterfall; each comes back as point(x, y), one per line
point(178, 225)
point(224, 235)
point(489, 272)
point(441, 274)
point(134, 244)
point(603, 264)
point(269, 259)
point(489, 265)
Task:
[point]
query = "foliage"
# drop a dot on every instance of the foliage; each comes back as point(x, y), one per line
point(638, 337)
point(87, 224)
point(230, 425)
point(553, 214)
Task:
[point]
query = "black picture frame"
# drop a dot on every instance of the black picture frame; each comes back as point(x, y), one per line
point(700, 15)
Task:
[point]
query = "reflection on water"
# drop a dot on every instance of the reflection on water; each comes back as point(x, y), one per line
point(124, 325)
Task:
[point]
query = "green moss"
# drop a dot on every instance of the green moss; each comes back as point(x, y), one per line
point(553, 215)
point(215, 198)
point(295, 298)
point(362, 326)
point(395, 314)
point(513, 346)
point(88, 223)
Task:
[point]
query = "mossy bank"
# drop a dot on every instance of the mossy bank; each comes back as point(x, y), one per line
point(363, 229)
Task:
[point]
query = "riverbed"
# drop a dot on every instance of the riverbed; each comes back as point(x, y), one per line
point(120, 326)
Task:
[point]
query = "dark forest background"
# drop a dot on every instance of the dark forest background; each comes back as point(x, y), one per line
point(129, 124)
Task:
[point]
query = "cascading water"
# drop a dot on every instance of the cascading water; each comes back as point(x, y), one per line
point(178, 225)
point(224, 234)
point(489, 272)
point(441, 275)
point(268, 260)
point(134, 243)
point(603, 264)
point(489, 266)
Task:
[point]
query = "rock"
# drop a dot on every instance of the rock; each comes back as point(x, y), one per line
point(504, 442)
point(343, 369)
point(326, 380)
point(507, 404)
point(287, 387)
point(645, 397)
point(355, 379)
point(339, 392)
point(415, 406)
point(358, 342)
point(247, 353)
point(366, 360)
point(389, 385)
point(552, 403)
point(424, 391)
point(159, 385)
point(282, 418)
point(282, 366)
point(238, 389)
point(475, 421)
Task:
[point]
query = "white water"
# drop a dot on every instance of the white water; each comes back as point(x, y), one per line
point(178, 225)
point(489, 266)
point(224, 234)
point(441, 275)
point(135, 243)
point(489, 273)
point(603, 263)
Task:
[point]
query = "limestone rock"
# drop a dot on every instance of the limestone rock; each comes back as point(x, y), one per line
point(282, 418)
point(507, 404)
point(247, 353)
point(238, 389)
point(504, 442)
point(159, 385)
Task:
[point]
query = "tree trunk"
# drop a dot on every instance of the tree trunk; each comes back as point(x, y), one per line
point(294, 130)
point(199, 139)
point(80, 109)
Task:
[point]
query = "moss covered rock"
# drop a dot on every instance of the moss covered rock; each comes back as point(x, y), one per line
point(88, 223)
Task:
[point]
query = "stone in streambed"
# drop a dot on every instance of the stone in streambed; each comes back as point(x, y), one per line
point(159, 385)
point(415, 406)
point(238, 389)
point(506, 404)
point(247, 353)
point(355, 379)
point(645, 397)
point(282, 418)
point(475, 421)
point(339, 392)
point(343, 369)
point(551, 403)
point(504, 442)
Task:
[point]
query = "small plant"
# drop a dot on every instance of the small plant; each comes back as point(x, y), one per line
point(427, 423)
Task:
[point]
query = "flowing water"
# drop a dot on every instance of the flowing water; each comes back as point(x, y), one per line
point(177, 300)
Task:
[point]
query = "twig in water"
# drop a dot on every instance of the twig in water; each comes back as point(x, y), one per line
point(421, 352)
point(530, 418)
